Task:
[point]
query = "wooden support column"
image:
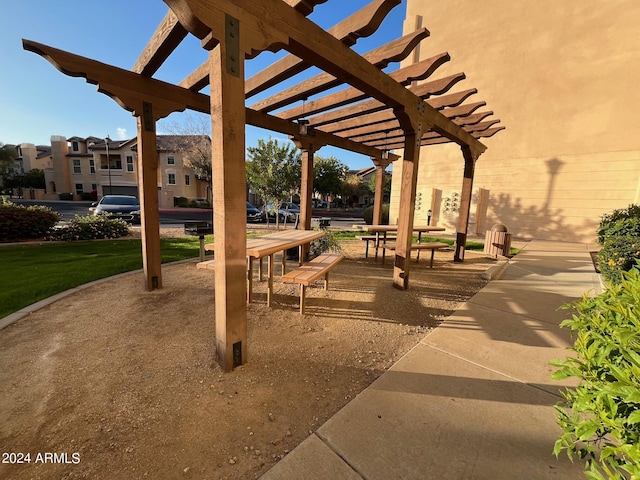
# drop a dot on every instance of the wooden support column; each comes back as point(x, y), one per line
point(148, 193)
point(379, 194)
point(465, 203)
point(226, 63)
point(308, 150)
point(407, 206)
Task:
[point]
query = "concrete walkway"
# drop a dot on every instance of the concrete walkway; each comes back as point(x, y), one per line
point(474, 399)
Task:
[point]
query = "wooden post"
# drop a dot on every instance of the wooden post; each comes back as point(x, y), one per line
point(229, 197)
point(379, 194)
point(306, 186)
point(148, 193)
point(465, 203)
point(407, 205)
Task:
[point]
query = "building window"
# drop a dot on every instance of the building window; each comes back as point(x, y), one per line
point(172, 179)
point(76, 166)
point(79, 188)
point(74, 146)
point(92, 166)
point(171, 160)
point(129, 163)
point(187, 180)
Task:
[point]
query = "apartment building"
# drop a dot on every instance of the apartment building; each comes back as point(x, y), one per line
point(562, 78)
point(93, 167)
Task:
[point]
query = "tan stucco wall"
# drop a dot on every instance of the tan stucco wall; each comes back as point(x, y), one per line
point(562, 77)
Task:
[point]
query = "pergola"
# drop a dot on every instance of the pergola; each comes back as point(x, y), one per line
point(375, 112)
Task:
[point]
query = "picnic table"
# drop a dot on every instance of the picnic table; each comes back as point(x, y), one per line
point(381, 231)
point(267, 246)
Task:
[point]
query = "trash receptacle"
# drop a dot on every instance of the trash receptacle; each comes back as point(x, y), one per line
point(497, 241)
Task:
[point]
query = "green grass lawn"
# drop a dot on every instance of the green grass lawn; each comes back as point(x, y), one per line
point(32, 272)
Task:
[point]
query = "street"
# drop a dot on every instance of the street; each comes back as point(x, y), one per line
point(68, 210)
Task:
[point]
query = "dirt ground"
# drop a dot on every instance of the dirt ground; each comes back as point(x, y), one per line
point(122, 383)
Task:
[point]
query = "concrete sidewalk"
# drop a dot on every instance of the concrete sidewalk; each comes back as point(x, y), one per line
point(474, 399)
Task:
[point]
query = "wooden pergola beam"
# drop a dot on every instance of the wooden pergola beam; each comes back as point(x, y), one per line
point(394, 51)
point(348, 117)
point(270, 24)
point(164, 41)
point(417, 71)
point(361, 24)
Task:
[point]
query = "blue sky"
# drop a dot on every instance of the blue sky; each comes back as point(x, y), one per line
point(38, 101)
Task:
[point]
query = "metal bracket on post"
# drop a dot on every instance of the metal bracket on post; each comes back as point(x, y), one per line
point(232, 44)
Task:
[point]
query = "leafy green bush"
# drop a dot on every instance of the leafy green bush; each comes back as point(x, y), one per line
point(328, 243)
point(91, 227)
point(181, 202)
point(601, 416)
point(65, 196)
point(367, 214)
point(618, 254)
point(18, 222)
point(620, 222)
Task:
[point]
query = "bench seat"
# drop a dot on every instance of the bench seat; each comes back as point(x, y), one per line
point(311, 271)
point(207, 265)
point(433, 246)
point(367, 239)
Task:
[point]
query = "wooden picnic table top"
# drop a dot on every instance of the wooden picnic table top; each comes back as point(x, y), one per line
point(394, 228)
point(276, 242)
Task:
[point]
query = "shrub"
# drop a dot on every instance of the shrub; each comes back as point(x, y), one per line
point(18, 222)
point(621, 222)
point(65, 196)
point(367, 214)
point(324, 244)
point(91, 227)
point(601, 416)
point(618, 254)
point(182, 202)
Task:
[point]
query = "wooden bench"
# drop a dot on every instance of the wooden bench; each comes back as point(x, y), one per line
point(311, 271)
point(367, 239)
point(207, 265)
point(433, 246)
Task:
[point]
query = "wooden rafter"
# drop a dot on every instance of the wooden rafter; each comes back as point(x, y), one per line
point(418, 71)
point(381, 57)
point(332, 121)
point(361, 24)
point(272, 24)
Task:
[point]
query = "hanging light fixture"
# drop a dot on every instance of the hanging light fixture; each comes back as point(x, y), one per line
point(385, 152)
point(303, 123)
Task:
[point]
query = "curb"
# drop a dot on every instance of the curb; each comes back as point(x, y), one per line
point(495, 272)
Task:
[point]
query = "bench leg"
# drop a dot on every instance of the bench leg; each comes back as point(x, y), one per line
point(270, 280)
point(433, 252)
point(303, 290)
point(260, 271)
point(366, 249)
point(284, 262)
point(326, 281)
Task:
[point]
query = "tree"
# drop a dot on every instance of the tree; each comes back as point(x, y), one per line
point(34, 179)
point(8, 156)
point(352, 188)
point(191, 139)
point(328, 175)
point(273, 171)
point(386, 187)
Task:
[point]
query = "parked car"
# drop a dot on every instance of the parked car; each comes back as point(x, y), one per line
point(254, 215)
point(319, 203)
point(288, 210)
point(124, 207)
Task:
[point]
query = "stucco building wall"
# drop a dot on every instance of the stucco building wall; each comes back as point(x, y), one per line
point(562, 77)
